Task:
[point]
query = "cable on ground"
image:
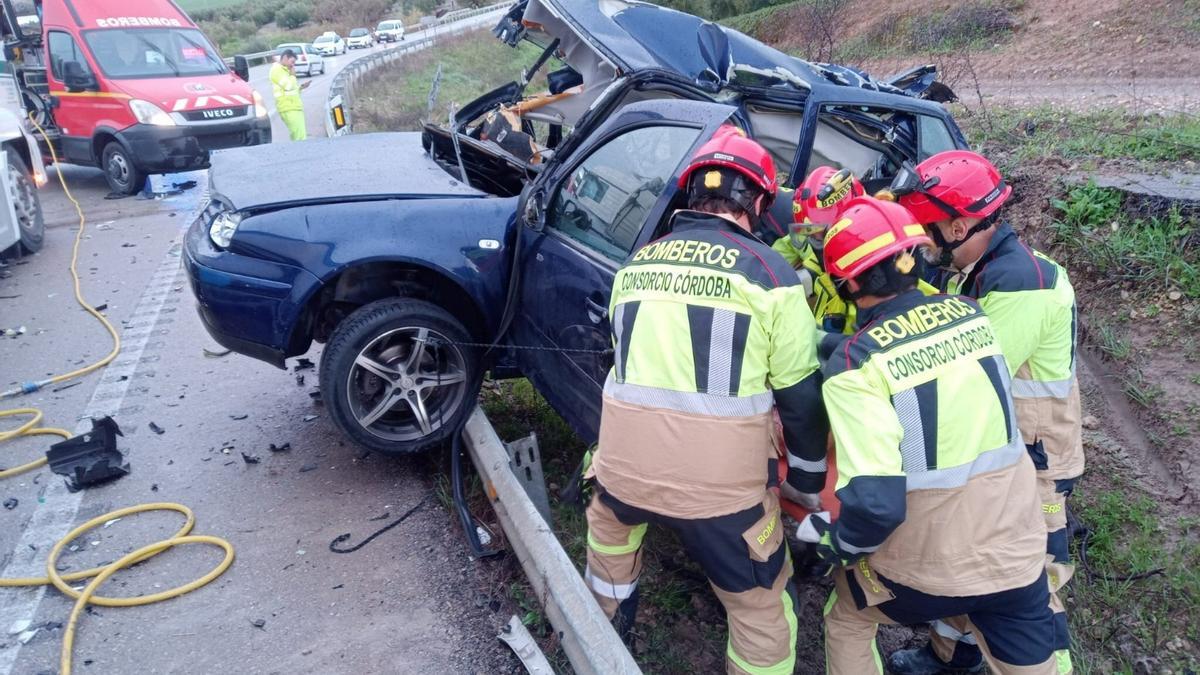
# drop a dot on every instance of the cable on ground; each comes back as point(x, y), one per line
point(98, 575)
point(32, 386)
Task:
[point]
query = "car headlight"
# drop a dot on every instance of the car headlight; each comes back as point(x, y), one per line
point(223, 227)
point(148, 113)
point(260, 107)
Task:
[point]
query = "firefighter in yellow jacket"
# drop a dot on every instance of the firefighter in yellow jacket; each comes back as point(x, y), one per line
point(958, 195)
point(711, 331)
point(940, 513)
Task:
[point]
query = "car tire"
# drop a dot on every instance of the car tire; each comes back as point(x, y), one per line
point(24, 196)
point(123, 176)
point(383, 399)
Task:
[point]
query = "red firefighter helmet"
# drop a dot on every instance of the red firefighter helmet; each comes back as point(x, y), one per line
point(819, 200)
point(955, 183)
point(870, 230)
point(735, 164)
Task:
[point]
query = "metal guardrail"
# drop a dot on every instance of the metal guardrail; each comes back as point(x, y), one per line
point(587, 637)
point(341, 91)
point(260, 58)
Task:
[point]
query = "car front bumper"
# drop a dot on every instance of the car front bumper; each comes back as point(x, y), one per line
point(248, 305)
point(158, 149)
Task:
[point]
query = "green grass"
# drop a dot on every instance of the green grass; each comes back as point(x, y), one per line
point(670, 636)
point(751, 23)
point(1046, 132)
point(1111, 341)
point(1155, 252)
point(190, 6)
point(394, 97)
point(1112, 618)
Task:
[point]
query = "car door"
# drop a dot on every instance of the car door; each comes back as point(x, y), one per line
point(596, 208)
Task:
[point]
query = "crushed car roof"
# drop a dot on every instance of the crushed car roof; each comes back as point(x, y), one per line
point(633, 35)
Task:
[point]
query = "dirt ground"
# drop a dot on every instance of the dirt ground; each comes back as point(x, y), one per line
point(1080, 54)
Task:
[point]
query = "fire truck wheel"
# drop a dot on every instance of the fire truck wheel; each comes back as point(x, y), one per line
point(123, 175)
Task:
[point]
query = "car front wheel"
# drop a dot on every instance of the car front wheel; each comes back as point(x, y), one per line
point(394, 378)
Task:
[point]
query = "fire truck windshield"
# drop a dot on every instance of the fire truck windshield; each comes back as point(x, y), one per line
point(137, 53)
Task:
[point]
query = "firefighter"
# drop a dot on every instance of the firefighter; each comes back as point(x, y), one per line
point(939, 508)
point(957, 195)
point(711, 330)
point(286, 89)
point(818, 203)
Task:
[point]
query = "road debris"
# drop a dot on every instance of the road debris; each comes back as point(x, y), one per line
point(13, 332)
point(215, 353)
point(11, 503)
point(333, 545)
point(239, 416)
point(157, 429)
point(19, 626)
point(309, 418)
point(66, 386)
point(303, 364)
point(283, 447)
point(517, 637)
point(308, 467)
point(299, 380)
point(91, 458)
point(258, 623)
point(251, 459)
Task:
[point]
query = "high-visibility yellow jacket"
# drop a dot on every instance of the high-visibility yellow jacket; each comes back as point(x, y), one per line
point(936, 487)
point(1031, 304)
point(286, 89)
point(833, 314)
point(711, 331)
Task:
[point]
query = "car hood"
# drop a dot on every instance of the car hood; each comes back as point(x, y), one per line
point(358, 167)
point(620, 37)
point(181, 94)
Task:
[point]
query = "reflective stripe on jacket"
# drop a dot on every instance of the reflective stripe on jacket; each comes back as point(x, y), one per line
point(286, 89)
point(935, 484)
point(1031, 304)
point(711, 331)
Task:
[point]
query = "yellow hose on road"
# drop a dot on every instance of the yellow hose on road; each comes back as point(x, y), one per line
point(29, 428)
point(30, 387)
point(98, 575)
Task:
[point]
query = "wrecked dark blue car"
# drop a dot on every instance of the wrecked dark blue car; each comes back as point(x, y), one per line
point(507, 224)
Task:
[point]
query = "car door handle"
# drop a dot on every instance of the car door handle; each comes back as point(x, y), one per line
point(596, 311)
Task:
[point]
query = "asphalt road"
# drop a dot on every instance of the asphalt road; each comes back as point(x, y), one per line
point(411, 601)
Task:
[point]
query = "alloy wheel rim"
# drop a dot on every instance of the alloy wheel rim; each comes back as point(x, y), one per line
point(406, 384)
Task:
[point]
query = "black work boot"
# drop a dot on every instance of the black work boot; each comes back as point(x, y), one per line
point(924, 662)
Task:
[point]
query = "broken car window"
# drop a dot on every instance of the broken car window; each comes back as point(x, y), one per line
point(605, 201)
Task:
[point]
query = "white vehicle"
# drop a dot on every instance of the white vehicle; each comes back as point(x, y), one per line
point(22, 228)
point(329, 44)
point(390, 31)
point(308, 61)
point(360, 38)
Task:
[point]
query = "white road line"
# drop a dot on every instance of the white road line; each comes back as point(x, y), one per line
point(55, 516)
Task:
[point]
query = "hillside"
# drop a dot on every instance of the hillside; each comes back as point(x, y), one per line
point(1081, 53)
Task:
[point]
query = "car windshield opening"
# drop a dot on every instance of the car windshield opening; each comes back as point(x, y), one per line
point(153, 52)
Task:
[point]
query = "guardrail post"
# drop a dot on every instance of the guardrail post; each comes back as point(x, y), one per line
point(586, 636)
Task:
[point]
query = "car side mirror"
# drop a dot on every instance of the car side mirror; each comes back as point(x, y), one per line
point(534, 211)
point(241, 67)
point(77, 79)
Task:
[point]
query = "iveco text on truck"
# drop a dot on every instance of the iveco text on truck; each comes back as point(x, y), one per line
point(129, 86)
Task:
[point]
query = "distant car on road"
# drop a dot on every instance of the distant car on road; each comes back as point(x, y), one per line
point(330, 44)
point(308, 61)
point(390, 31)
point(360, 38)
